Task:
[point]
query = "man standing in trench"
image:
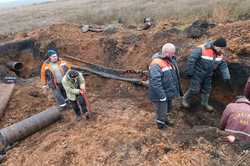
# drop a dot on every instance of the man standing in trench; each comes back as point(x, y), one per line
point(52, 72)
point(236, 117)
point(164, 83)
point(74, 85)
point(200, 68)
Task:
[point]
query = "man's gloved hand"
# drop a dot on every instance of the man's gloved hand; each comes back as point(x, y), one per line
point(45, 87)
point(164, 99)
point(82, 86)
point(229, 84)
point(81, 91)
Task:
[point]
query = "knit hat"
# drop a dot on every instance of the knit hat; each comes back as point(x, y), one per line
point(221, 42)
point(51, 52)
point(168, 50)
point(72, 74)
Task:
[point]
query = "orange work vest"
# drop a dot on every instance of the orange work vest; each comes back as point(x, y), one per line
point(47, 66)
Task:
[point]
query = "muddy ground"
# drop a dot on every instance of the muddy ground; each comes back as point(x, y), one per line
point(122, 131)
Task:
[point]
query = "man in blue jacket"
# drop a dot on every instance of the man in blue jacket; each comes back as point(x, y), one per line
point(164, 83)
point(200, 68)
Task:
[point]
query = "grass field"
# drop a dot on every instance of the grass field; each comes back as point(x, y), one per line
point(108, 11)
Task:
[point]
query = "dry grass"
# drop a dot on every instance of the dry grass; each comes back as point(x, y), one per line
point(108, 11)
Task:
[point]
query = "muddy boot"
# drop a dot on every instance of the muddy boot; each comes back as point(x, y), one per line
point(161, 125)
point(186, 99)
point(78, 118)
point(87, 115)
point(204, 103)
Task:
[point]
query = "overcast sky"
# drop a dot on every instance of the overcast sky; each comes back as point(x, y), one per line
point(2, 1)
point(21, 1)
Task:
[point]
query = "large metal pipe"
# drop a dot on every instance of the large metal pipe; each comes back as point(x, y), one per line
point(105, 69)
point(16, 45)
point(5, 93)
point(14, 65)
point(26, 127)
point(133, 76)
point(105, 74)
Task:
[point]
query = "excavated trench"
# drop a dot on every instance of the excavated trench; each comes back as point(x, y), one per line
point(27, 52)
point(118, 59)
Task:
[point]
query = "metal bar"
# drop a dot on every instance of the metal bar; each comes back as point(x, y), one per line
point(26, 127)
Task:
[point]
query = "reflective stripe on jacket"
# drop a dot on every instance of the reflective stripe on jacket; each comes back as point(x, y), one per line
point(203, 61)
point(48, 73)
point(163, 81)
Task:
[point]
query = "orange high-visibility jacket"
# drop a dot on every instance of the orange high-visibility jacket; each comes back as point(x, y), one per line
point(47, 66)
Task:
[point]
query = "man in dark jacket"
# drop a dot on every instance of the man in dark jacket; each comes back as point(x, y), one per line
point(164, 83)
point(52, 72)
point(236, 117)
point(200, 68)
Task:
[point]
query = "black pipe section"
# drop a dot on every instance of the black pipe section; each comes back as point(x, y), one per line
point(16, 46)
point(109, 70)
point(26, 127)
point(109, 73)
point(14, 65)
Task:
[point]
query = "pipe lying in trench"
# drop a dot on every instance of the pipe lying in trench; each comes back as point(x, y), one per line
point(14, 65)
point(26, 127)
point(115, 71)
point(132, 76)
point(16, 45)
point(104, 74)
point(5, 93)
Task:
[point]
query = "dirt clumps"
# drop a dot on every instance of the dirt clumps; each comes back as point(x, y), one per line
point(199, 28)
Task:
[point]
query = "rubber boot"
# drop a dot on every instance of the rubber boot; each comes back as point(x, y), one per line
point(161, 125)
point(186, 99)
point(204, 102)
point(78, 117)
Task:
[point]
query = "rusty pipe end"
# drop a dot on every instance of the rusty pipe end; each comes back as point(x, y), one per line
point(15, 65)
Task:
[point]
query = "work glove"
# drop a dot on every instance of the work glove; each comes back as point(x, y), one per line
point(229, 84)
point(45, 87)
point(82, 91)
point(164, 99)
point(82, 87)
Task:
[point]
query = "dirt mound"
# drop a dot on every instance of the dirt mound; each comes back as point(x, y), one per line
point(238, 36)
point(199, 28)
